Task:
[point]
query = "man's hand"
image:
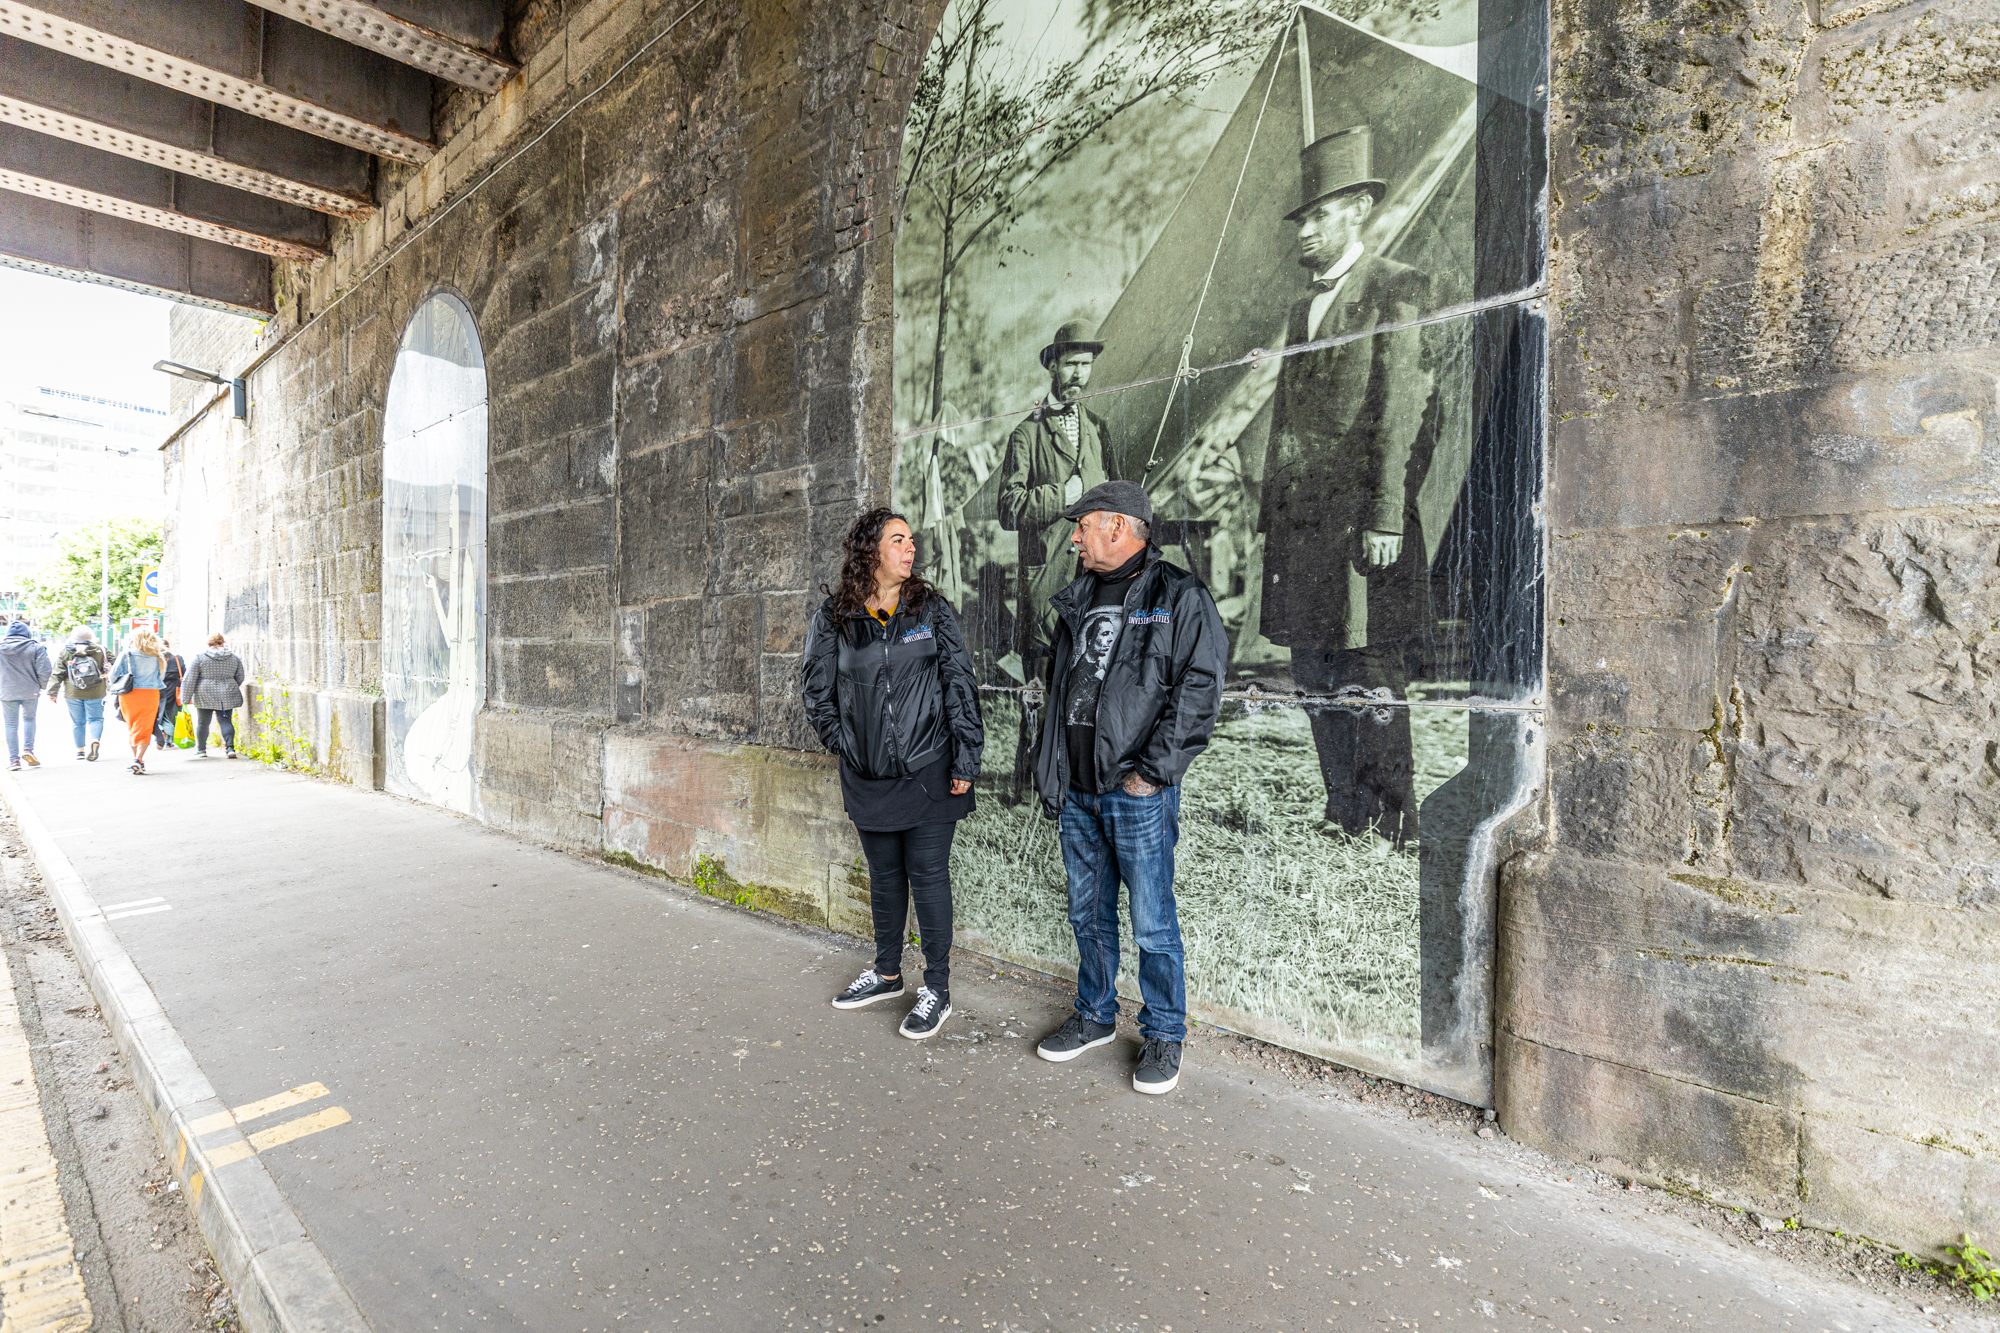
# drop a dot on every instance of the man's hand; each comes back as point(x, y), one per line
point(1072, 490)
point(959, 786)
point(1379, 550)
point(1135, 785)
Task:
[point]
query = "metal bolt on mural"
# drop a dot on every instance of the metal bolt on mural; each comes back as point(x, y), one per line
point(1277, 263)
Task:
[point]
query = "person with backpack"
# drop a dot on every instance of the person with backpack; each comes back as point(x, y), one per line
point(24, 670)
point(213, 687)
point(80, 676)
point(888, 686)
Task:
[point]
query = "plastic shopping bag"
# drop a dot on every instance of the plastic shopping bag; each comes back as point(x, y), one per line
point(183, 730)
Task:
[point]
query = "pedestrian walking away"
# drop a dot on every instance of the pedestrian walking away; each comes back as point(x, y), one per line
point(80, 673)
point(888, 686)
point(137, 678)
point(1133, 685)
point(170, 695)
point(24, 671)
point(213, 687)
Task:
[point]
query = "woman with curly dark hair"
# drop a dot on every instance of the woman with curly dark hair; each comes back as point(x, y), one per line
point(889, 688)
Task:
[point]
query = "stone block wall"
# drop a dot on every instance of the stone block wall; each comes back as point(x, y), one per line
point(335, 733)
point(1759, 952)
point(681, 293)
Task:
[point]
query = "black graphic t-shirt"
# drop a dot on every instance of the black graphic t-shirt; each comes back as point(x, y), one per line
point(1101, 626)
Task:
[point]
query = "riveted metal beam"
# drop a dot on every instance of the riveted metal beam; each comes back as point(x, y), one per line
point(44, 236)
point(55, 94)
point(456, 40)
point(236, 55)
point(70, 173)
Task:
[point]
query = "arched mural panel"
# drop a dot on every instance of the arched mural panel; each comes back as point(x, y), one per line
point(1279, 263)
point(434, 555)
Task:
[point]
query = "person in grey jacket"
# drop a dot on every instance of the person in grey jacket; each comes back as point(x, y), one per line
point(213, 687)
point(24, 670)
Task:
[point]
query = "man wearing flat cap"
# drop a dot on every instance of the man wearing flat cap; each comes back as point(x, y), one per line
point(1132, 688)
point(1058, 452)
point(1343, 588)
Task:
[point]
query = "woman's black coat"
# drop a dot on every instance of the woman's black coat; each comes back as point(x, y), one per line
point(889, 698)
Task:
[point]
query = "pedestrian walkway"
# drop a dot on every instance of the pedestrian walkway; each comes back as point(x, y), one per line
point(503, 1087)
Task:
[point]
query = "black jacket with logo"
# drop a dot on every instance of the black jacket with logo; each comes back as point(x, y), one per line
point(1162, 690)
point(889, 698)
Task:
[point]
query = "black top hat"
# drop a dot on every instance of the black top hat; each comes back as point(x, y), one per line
point(1336, 164)
point(1079, 335)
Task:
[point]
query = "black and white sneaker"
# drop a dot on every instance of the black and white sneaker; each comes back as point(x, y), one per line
point(1076, 1035)
point(927, 1015)
point(1159, 1068)
point(867, 988)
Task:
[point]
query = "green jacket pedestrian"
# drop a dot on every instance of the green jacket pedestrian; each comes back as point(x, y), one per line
point(80, 675)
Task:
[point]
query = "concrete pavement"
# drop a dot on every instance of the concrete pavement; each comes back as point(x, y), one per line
point(572, 1097)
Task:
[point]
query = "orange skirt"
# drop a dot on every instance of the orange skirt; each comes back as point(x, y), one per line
point(141, 709)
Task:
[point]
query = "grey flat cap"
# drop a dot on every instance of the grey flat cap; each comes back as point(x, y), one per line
point(1114, 497)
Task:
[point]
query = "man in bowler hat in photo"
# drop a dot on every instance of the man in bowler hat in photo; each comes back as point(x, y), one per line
point(1059, 451)
point(1342, 587)
point(1133, 685)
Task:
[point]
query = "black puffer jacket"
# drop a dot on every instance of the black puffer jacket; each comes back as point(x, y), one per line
point(1161, 692)
point(888, 699)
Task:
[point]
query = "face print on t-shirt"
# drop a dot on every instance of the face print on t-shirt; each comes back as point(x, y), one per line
point(1094, 645)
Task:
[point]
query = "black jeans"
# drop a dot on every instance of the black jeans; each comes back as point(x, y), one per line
point(913, 863)
point(225, 716)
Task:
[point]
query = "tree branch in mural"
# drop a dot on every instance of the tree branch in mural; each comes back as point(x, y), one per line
point(985, 130)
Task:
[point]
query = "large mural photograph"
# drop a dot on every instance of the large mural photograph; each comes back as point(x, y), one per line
point(1276, 263)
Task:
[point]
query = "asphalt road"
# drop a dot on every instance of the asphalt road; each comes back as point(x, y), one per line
point(576, 1098)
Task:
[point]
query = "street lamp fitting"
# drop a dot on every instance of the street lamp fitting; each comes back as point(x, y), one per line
point(239, 391)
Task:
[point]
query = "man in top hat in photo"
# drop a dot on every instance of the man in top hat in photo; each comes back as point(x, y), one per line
point(1059, 451)
point(1341, 587)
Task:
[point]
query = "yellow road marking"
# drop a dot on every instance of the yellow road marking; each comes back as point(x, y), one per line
point(276, 1135)
point(283, 1101)
point(44, 1291)
point(298, 1129)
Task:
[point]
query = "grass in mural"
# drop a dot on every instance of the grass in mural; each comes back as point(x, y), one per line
point(1279, 919)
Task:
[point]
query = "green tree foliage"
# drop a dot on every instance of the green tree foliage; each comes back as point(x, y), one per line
point(63, 593)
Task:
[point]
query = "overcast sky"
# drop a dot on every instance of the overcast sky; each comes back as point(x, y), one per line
point(81, 337)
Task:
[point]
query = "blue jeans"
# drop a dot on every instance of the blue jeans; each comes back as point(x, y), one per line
point(86, 711)
point(20, 726)
point(1105, 839)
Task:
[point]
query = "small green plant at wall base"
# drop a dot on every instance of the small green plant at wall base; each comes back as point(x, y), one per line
point(711, 877)
point(278, 742)
point(1974, 1269)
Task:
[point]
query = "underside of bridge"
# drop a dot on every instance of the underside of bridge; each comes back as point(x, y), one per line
point(177, 146)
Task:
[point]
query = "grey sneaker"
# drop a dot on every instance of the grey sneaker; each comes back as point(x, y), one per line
point(866, 989)
point(927, 1015)
point(1076, 1035)
point(1159, 1068)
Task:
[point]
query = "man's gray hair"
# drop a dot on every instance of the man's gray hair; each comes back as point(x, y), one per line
point(1138, 527)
